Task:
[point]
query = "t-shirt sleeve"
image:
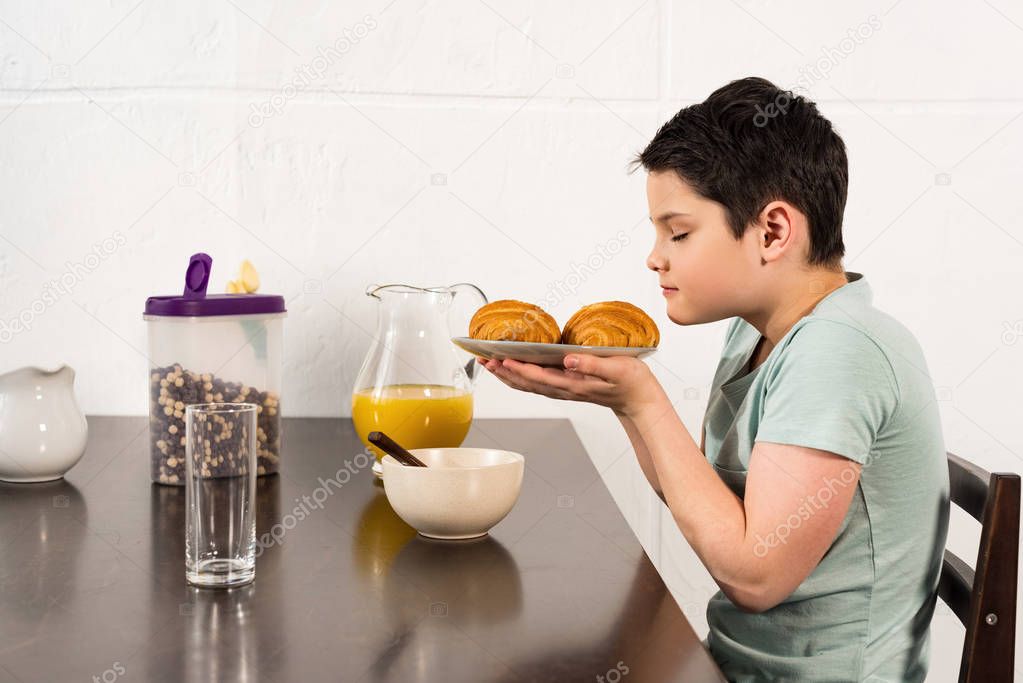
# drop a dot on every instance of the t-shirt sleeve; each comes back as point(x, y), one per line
point(832, 389)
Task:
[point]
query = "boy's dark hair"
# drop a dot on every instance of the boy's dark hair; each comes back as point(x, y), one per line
point(751, 143)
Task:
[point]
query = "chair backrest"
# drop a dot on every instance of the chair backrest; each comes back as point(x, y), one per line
point(985, 599)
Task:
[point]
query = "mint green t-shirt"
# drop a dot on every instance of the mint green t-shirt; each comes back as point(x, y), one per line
point(852, 380)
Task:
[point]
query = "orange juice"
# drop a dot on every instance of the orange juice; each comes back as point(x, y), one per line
point(414, 415)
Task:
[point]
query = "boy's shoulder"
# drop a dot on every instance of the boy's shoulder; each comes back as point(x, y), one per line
point(874, 346)
point(844, 324)
point(859, 322)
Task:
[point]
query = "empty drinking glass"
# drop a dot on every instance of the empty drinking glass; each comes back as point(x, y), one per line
point(220, 483)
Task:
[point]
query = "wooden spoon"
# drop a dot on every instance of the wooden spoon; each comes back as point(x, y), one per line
point(389, 446)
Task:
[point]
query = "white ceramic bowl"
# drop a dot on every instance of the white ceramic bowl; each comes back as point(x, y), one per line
point(462, 493)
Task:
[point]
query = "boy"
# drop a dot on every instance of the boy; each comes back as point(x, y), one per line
point(818, 496)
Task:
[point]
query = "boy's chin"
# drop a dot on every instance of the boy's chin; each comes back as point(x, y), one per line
point(690, 317)
point(681, 317)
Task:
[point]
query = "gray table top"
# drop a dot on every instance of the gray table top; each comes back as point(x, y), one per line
point(92, 580)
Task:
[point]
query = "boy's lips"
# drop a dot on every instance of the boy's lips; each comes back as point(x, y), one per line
point(668, 291)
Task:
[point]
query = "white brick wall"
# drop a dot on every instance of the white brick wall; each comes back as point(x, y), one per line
point(138, 119)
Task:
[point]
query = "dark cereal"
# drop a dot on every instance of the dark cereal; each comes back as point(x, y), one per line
point(171, 389)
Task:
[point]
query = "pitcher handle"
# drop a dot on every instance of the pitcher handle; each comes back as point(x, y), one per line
point(472, 368)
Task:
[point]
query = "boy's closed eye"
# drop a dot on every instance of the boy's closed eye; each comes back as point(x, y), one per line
point(679, 237)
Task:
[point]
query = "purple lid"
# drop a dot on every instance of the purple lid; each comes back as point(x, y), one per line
point(195, 302)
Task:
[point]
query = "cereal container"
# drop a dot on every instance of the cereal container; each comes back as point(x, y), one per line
point(217, 348)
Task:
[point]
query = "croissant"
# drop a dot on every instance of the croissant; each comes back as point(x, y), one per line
point(611, 323)
point(510, 320)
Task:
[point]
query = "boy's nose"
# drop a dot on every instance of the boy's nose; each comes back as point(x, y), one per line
point(654, 262)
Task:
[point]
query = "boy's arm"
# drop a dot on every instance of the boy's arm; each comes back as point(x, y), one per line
point(752, 548)
point(643, 454)
point(828, 398)
point(755, 553)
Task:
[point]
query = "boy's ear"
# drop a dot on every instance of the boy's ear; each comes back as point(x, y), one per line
point(775, 226)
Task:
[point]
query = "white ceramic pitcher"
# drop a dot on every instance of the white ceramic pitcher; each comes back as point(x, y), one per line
point(42, 430)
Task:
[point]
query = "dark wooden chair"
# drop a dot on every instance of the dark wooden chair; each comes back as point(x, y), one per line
point(985, 599)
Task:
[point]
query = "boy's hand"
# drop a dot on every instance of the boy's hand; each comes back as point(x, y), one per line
point(625, 385)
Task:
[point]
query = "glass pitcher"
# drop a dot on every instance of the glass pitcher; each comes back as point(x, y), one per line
point(415, 385)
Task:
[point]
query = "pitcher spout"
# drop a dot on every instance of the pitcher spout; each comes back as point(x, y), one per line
point(63, 372)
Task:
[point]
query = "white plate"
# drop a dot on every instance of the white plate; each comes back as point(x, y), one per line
point(544, 354)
